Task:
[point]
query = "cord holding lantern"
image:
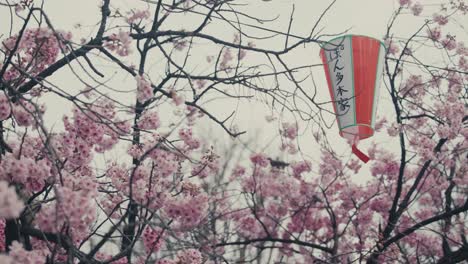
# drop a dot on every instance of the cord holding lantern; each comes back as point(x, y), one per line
point(353, 67)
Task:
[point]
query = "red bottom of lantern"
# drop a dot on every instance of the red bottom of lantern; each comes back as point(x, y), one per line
point(357, 132)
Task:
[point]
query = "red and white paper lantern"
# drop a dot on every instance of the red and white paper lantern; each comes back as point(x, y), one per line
point(353, 67)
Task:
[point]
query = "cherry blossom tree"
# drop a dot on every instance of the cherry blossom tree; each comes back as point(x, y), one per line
point(125, 176)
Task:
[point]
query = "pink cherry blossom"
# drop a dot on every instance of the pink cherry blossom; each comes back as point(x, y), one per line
point(208, 166)
point(289, 130)
point(74, 208)
point(165, 261)
point(354, 165)
point(23, 113)
point(385, 165)
point(137, 15)
point(38, 47)
point(417, 8)
point(120, 43)
point(187, 136)
point(440, 19)
point(461, 49)
point(449, 42)
point(393, 130)
point(259, 159)
point(301, 167)
point(32, 175)
point(5, 107)
point(149, 120)
point(2, 235)
point(190, 256)
point(392, 47)
point(413, 87)
point(178, 99)
point(463, 63)
point(188, 211)
point(405, 2)
point(153, 239)
point(144, 89)
point(226, 59)
point(23, 256)
point(6, 259)
point(10, 205)
point(434, 33)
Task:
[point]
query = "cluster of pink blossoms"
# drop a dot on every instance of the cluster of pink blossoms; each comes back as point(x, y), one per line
point(150, 177)
point(24, 113)
point(289, 130)
point(153, 239)
point(189, 256)
point(30, 174)
point(187, 211)
point(289, 133)
point(440, 19)
point(208, 165)
point(192, 115)
point(106, 257)
point(96, 127)
point(166, 162)
point(434, 33)
point(354, 165)
point(462, 50)
point(226, 58)
point(177, 98)
point(151, 188)
point(259, 159)
point(453, 113)
point(144, 90)
point(463, 63)
point(137, 15)
point(329, 166)
point(74, 209)
point(10, 205)
point(392, 47)
point(2, 235)
point(19, 255)
point(249, 227)
point(187, 136)
point(279, 193)
point(301, 167)
point(5, 107)
point(414, 87)
point(149, 121)
point(119, 43)
point(415, 8)
point(37, 49)
point(449, 42)
point(385, 164)
point(405, 2)
point(393, 129)
point(30, 168)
